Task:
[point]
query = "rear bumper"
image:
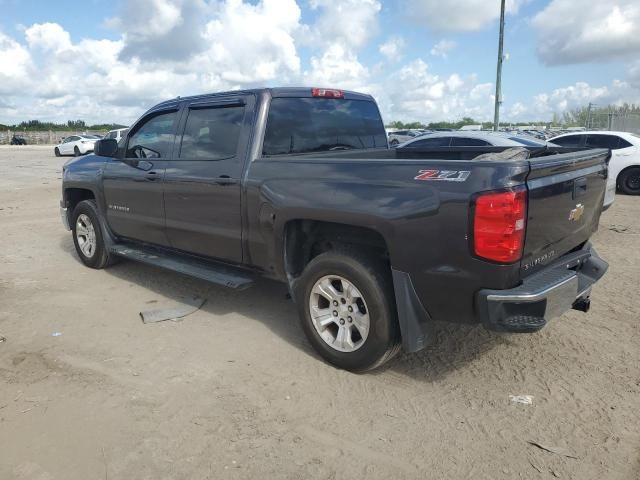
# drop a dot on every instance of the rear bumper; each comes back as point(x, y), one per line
point(544, 295)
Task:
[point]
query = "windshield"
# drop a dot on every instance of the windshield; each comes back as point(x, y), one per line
point(304, 125)
point(90, 137)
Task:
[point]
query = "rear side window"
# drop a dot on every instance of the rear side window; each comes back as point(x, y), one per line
point(212, 133)
point(154, 139)
point(602, 141)
point(431, 142)
point(468, 142)
point(568, 141)
point(607, 141)
point(304, 125)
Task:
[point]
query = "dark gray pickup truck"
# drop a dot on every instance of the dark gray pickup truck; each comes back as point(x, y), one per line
point(299, 185)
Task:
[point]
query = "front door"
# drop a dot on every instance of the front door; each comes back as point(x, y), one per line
point(202, 185)
point(133, 184)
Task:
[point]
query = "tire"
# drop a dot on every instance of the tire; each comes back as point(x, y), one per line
point(86, 229)
point(76, 151)
point(629, 181)
point(394, 143)
point(56, 151)
point(358, 349)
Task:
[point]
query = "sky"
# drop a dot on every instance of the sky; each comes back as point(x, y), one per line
point(423, 60)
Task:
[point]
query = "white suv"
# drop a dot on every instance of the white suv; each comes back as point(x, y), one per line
point(117, 134)
point(624, 167)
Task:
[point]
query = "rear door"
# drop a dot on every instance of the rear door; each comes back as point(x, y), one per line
point(202, 185)
point(133, 184)
point(565, 202)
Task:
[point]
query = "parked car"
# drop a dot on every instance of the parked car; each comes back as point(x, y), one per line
point(472, 139)
point(298, 185)
point(16, 140)
point(400, 136)
point(624, 167)
point(76, 145)
point(117, 134)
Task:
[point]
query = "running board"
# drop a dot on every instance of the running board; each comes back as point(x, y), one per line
point(213, 272)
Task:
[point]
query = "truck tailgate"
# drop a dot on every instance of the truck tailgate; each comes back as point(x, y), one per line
point(566, 193)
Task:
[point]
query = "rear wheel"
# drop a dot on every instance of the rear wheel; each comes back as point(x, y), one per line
point(76, 151)
point(56, 151)
point(347, 310)
point(394, 143)
point(629, 181)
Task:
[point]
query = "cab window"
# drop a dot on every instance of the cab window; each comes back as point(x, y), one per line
point(154, 138)
point(212, 133)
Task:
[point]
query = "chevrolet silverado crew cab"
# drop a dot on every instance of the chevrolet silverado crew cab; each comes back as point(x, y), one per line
point(375, 244)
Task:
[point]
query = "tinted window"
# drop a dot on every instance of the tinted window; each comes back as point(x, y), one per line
point(212, 133)
point(468, 142)
point(607, 141)
point(602, 141)
point(111, 135)
point(300, 125)
point(154, 138)
point(568, 141)
point(431, 142)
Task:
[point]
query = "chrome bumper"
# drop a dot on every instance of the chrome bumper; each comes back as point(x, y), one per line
point(544, 295)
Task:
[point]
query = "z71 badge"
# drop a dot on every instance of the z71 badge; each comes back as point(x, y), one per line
point(443, 175)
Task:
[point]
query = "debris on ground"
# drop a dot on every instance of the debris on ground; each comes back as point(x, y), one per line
point(523, 399)
point(56, 334)
point(556, 450)
point(175, 313)
point(3, 339)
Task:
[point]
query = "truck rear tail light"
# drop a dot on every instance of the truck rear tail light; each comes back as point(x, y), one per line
point(327, 93)
point(499, 225)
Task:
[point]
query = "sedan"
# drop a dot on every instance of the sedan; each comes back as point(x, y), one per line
point(472, 139)
point(76, 145)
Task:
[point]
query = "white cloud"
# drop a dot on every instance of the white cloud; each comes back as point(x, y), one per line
point(16, 66)
point(544, 105)
point(414, 93)
point(571, 32)
point(348, 22)
point(442, 48)
point(392, 48)
point(337, 68)
point(459, 15)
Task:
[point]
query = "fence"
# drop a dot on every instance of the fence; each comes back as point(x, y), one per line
point(50, 137)
point(614, 121)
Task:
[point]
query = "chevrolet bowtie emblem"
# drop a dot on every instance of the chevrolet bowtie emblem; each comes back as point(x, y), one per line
point(576, 213)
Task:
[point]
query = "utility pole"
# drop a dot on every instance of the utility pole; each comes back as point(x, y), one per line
point(589, 115)
point(496, 115)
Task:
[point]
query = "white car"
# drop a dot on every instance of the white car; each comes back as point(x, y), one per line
point(117, 134)
point(76, 145)
point(472, 139)
point(624, 167)
point(399, 136)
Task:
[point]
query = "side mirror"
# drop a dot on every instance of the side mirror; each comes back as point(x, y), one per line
point(107, 147)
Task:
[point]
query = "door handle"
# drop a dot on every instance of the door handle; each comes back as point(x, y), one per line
point(223, 180)
point(579, 187)
point(152, 176)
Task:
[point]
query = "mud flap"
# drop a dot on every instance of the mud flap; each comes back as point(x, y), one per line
point(416, 326)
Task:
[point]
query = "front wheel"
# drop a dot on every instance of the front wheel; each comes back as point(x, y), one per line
point(87, 235)
point(629, 181)
point(76, 151)
point(347, 310)
point(57, 151)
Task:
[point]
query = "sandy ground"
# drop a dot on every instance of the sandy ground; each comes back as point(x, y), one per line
point(235, 391)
